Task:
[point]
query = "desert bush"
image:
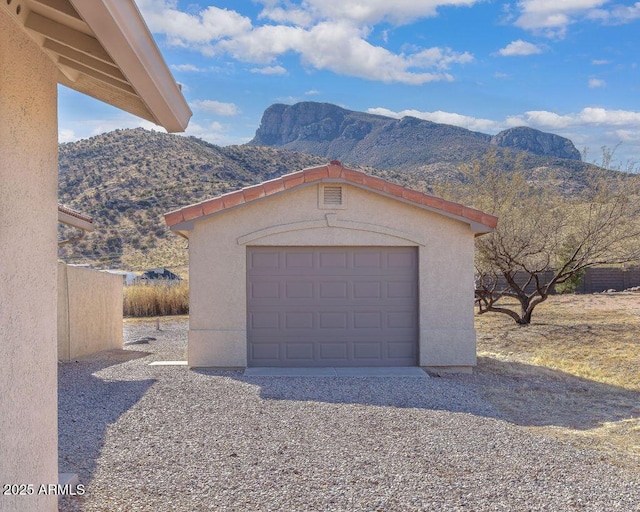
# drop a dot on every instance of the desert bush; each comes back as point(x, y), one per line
point(156, 299)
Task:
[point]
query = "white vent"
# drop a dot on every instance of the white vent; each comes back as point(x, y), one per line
point(332, 196)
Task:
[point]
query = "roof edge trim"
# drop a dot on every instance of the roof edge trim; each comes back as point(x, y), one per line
point(121, 29)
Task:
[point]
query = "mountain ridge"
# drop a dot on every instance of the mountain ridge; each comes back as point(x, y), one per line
point(331, 131)
point(127, 179)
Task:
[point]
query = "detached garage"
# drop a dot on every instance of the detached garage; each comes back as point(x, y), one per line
point(330, 267)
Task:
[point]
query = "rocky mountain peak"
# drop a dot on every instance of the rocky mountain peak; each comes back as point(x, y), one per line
point(534, 141)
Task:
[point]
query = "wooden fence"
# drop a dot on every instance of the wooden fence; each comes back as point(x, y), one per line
point(597, 279)
point(600, 279)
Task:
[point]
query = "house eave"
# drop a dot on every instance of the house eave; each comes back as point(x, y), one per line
point(103, 48)
point(119, 26)
point(75, 219)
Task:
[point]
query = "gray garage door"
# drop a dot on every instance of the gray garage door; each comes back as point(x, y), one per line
point(332, 306)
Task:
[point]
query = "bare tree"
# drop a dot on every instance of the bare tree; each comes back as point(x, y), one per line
point(543, 239)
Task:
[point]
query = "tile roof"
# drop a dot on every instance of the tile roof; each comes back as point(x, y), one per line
point(74, 218)
point(334, 171)
point(74, 213)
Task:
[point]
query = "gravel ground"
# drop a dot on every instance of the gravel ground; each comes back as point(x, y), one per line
point(158, 438)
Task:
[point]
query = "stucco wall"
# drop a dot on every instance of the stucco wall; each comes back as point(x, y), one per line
point(89, 311)
point(217, 267)
point(28, 220)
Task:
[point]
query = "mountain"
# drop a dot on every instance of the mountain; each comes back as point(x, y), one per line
point(403, 144)
point(522, 138)
point(127, 179)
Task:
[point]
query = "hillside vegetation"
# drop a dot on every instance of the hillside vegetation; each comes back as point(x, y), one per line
point(127, 179)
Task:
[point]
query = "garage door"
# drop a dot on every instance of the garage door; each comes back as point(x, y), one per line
point(332, 306)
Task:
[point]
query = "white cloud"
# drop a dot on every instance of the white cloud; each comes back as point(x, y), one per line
point(617, 15)
point(215, 133)
point(312, 92)
point(183, 29)
point(518, 48)
point(600, 62)
point(629, 135)
point(552, 17)
point(332, 37)
point(595, 83)
point(591, 127)
point(184, 67)
point(66, 135)
point(270, 70)
point(468, 122)
point(367, 12)
point(293, 15)
point(215, 107)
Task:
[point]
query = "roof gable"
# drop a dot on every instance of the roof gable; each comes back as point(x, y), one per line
point(180, 220)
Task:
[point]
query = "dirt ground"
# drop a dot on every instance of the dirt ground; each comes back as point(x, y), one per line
point(575, 371)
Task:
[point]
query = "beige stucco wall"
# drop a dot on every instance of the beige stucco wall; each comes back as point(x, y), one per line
point(217, 267)
point(89, 311)
point(28, 221)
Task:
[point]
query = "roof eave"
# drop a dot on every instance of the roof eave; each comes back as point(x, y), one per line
point(75, 222)
point(183, 227)
point(122, 31)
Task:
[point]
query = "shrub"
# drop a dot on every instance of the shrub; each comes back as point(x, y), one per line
point(156, 299)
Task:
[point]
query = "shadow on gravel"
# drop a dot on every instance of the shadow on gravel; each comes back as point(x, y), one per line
point(87, 405)
point(518, 393)
point(537, 396)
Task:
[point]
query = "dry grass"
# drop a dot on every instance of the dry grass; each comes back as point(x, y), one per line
point(144, 300)
point(575, 372)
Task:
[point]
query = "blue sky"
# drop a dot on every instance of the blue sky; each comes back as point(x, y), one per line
point(570, 67)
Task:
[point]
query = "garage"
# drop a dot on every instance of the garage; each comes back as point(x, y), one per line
point(332, 306)
point(330, 267)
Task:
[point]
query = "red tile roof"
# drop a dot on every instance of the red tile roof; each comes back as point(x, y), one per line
point(74, 213)
point(332, 171)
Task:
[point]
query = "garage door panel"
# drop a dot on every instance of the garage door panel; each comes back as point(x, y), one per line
point(332, 260)
point(333, 290)
point(264, 320)
point(264, 260)
point(333, 350)
point(300, 351)
point(401, 260)
point(401, 350)
point(265, 290)
point(401, 289)
point(401, 320)
point(298, 260)
point(370, 259)
point(367, 290)
point(333, 320)
point(266, 351)
point(367, 350)
point(367, 320)
point(354, 306)
point(299, 290)
point(298, 320)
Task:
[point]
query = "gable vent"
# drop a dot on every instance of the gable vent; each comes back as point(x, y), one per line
point(332, 196)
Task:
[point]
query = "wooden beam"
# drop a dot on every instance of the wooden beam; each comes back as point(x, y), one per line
point(62, 6)
point(108, 79)
point(84, 59)
point(67, 36)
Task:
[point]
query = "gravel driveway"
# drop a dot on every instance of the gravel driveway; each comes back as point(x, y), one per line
point(164, 438)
